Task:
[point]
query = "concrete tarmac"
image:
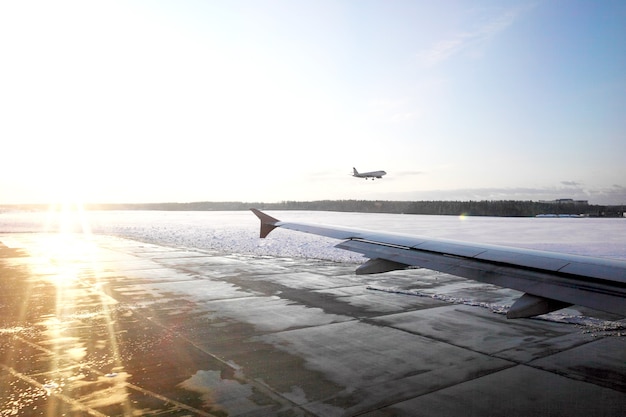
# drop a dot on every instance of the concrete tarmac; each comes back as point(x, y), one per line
point(103, 326)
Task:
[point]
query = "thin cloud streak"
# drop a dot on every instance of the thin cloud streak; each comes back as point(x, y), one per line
point(615, 195)
point(456, 44)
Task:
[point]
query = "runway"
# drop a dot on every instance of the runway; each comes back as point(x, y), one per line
point(100, 325)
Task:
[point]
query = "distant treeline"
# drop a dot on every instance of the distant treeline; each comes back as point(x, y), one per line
point(501, 208)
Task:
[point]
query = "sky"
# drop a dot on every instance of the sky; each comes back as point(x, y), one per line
point(269, 101)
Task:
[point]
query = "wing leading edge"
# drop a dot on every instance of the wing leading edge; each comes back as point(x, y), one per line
point(550, 281)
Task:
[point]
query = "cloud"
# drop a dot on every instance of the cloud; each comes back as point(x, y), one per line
point(464, 40)
point(571, 183)
point(445, 49)
point(615, 195)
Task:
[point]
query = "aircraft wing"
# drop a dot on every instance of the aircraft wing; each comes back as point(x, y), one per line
point(550, 281)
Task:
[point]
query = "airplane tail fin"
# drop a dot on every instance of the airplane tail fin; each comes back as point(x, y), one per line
point(268, 223)
point(355, 171)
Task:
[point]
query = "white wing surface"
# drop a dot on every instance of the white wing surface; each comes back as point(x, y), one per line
point(549, 280)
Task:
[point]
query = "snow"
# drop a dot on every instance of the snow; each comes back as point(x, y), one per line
point(237, 231)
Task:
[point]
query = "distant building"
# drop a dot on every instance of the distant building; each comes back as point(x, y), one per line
point(565, 201)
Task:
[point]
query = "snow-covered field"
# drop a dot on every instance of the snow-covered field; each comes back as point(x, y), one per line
point(237, 231)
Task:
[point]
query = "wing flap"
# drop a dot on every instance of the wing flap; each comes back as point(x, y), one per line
point(525, 258)
point(450, 248)
point(606, 270)
point(600, 294)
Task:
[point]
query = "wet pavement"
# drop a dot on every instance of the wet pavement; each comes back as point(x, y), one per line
point(99, 325)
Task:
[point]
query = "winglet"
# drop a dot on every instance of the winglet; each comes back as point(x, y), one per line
point(268, 223)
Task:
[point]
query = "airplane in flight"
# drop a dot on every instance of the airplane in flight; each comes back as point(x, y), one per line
point(373, 174)
point(550, 281)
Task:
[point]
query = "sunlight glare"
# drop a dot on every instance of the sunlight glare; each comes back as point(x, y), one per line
point(69, 245)
point(70, 256)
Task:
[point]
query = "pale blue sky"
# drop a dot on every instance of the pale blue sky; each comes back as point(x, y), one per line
point(152, 101)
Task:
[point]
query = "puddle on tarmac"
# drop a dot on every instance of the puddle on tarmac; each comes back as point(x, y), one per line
point(221, 388)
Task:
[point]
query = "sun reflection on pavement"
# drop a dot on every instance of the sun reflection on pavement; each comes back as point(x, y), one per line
point(80, 373)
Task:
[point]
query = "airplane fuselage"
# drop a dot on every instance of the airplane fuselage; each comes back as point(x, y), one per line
point(366, 175)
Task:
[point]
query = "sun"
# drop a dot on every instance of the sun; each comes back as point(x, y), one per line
point(67, 187)
point(69, 240)
point(66, 217)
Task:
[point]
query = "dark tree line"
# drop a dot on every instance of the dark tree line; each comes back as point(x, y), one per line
point(504, 208)
point(509, 208)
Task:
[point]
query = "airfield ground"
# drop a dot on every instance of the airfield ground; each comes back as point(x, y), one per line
point(108, 326)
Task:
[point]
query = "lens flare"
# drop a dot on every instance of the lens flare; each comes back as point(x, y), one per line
point(68, 257)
